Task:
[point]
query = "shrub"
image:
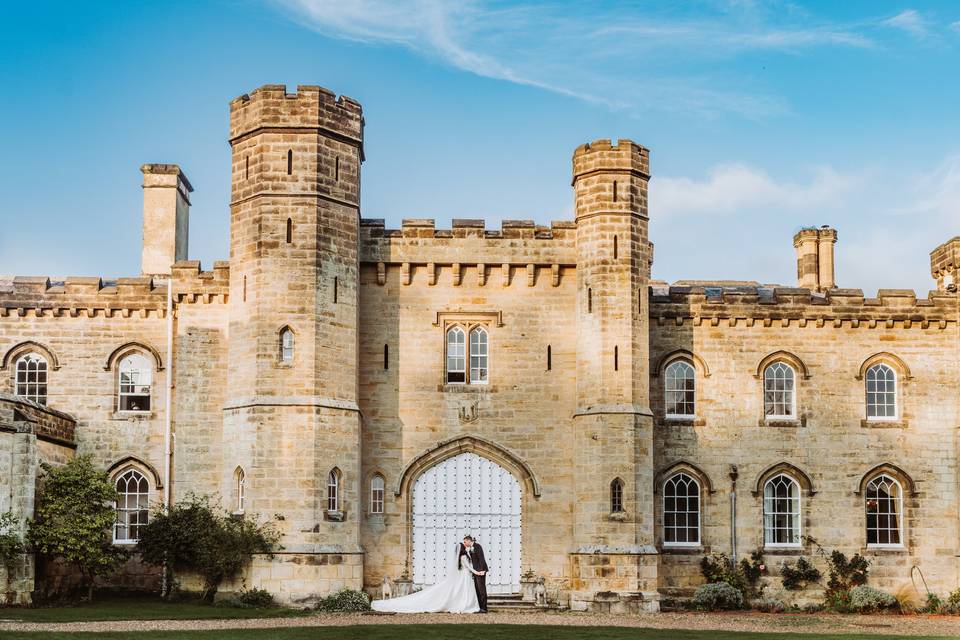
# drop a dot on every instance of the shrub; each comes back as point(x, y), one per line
point(744, 576)
point(800, 575)
point(934, 604)
point(256, 599)
point(717, 596)
point(845, 574)
point(953, 600)
point(194, 535)
point(865, 599)
point(74, 518)
point(344, 601)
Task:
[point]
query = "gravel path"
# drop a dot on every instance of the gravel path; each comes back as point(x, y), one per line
point(784, 623)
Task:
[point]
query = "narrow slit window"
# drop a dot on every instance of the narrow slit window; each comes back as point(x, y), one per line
point(614, 190)
point(386, 356)
point(549, 357)
point(246, 171)
point(336, 285)
point(616, 358)
point(614, 247)
point(589, 300)
point(290, 162)
point(244, 288)
point(336, 169)
point(289, 230)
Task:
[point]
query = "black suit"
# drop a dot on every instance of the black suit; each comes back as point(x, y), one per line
point(480, 582)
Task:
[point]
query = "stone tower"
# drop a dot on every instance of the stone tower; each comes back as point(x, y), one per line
point(291, 417)
point(613, 423)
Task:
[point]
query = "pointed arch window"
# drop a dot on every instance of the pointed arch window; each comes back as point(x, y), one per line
point(781, 512)
point(478, 355)
point(884, 511)
point(681, 511)
point(376, 494)
point(881, 389)
point(132, 506)
point(779, 391)
point(240, 489)
point(616, 496)
point(679, 389)
point(456, 356)
point(136, 377)
point(31, 377)
point(333, 491)
point(286, 345)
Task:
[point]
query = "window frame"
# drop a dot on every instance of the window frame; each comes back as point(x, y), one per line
point(240, 487)
point(285, 333)
point(334, 503)
point(28, 357)
point(121, 369)
point(617, 496)
point(699, 512)
point(793, 392)
point(896, 393)
point(795, 483)
point(680, 360)
point(375, 500)
point(899, 513)
point(466, 332)
point(144, 508)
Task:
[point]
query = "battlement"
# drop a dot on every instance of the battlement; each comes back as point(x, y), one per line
point(603, 155)
point(311, 107)
point(519, 242)
point(785, 305)
point(94, 296)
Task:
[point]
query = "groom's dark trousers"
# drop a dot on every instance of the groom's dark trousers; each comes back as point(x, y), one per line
point(480, 582)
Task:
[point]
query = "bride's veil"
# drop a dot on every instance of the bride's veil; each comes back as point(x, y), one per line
point(455, 565)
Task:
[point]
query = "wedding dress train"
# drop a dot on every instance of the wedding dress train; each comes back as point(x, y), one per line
point(454, 594)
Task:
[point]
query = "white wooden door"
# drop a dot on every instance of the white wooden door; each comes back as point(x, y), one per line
point(467, 494)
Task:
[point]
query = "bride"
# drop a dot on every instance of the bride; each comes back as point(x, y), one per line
point(454, 594)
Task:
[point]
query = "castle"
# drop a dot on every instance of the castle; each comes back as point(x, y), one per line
point(385, 391)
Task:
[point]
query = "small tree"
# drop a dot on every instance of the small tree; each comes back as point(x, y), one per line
point(195, 535)
point(11, 543)
point(74, 517)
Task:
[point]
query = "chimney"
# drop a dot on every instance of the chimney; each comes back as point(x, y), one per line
point(815, 270)
point(166, 218)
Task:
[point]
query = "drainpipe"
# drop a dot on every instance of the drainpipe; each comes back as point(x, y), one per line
point(168, 427)
point(733, 513)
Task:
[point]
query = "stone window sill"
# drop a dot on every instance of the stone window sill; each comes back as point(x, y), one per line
point(618, 516)
point(884, 424)
point(334, 516)
point(465, 388)
point(133, 415)
point(692, 550)
point(785, 551)
point(279, 364)
point(783, 423)
point(684, 421)
point(884, 551)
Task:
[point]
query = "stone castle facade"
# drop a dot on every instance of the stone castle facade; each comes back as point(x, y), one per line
point(332, 365)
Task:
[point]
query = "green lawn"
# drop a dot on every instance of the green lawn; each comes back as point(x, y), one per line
point(441, 632)
point(137, 608)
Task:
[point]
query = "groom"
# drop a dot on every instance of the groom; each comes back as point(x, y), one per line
point(475, 553)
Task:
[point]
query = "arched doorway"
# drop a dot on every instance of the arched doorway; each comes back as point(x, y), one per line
point(467, 493)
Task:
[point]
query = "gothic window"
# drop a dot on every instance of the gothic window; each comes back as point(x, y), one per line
point(240, 479)
point(781, 512)
point(884, 508)
point(376, 494)
point(478, 356)
point(286, 345)
point(616, 496)
point(779, 393)
point(681, 511)
point(881, 391)
point(679, 383)
point(133, 496)
point(333, 490)
point(31, 377)
point(136, 376)
point(456, 356)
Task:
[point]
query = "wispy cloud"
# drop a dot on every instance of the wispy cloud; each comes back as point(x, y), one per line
point(618, 56)
point(909, 21)
point(955, 26)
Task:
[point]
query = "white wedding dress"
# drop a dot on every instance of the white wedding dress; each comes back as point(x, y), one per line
point(453, 594)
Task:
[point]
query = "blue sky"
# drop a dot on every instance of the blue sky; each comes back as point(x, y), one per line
point(761, 117)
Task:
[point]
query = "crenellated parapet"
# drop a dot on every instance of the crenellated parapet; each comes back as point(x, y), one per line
point(517, 244)
point(768, 306)
point(192, 285)
point(311, 107)
point(92, 297)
